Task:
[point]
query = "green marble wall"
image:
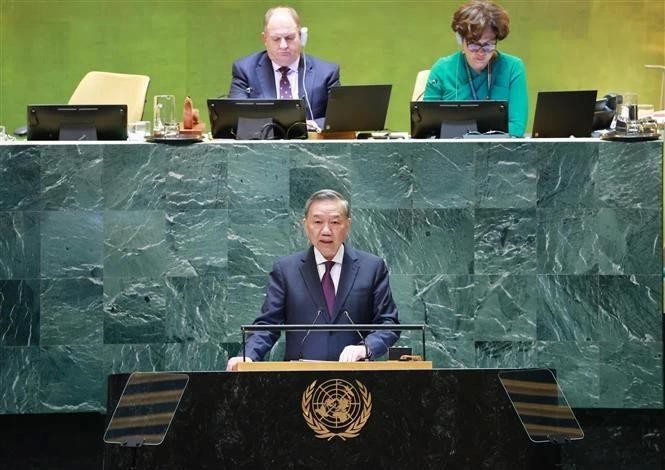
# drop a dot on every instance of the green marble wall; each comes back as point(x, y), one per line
point(123, 257)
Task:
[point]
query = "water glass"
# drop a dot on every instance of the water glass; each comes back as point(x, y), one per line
point(165, 121)
point(628, 107)
point(138, 131)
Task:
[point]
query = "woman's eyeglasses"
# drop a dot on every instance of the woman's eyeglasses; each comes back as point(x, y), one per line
point(486, 48)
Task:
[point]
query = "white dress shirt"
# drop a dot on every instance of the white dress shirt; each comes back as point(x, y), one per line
point(292, 75)
point(336, 270)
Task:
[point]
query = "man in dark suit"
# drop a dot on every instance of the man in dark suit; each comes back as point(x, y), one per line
point(281, 71)
point(329, 283)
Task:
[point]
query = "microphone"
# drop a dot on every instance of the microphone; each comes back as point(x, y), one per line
point(303, 41)
point(362, 338)
point(302, 343)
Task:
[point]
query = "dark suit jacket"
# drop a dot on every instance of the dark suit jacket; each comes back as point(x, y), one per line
point(253, 77)
point(295, 296)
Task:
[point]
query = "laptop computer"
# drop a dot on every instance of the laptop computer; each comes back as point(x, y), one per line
point(564, 113)
point(357, 108)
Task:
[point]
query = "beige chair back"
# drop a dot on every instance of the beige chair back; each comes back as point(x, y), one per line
point(113, 88)
point(419, 87)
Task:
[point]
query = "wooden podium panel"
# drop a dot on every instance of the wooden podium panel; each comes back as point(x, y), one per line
point(340, 419)
point(281, 366)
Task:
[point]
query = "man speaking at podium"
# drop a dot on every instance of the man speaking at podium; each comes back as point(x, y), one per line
point(281, 71)
point(329, 283)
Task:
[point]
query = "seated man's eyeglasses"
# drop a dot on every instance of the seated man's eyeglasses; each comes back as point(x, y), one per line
point(486, 48)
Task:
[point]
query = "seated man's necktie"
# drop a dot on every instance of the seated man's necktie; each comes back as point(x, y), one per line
point(284, 84)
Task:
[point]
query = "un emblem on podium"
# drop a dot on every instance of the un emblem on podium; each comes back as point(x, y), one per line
point(336, 408)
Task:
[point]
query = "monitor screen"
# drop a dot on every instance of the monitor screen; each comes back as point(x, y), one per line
point(446, 119)
point(257, 119)
point(77, 122)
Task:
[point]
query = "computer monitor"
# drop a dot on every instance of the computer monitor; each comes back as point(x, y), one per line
point(357, 108)
point(257, 119)
point(450, 119)
point(564, 113)
point(77, 122)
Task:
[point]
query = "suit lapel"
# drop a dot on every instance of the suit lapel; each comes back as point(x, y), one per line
point(310, 276)
point(266, 77)
point(350, 267)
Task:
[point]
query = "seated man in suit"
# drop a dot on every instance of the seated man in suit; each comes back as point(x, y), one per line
point(281, 71)
point(329, 283)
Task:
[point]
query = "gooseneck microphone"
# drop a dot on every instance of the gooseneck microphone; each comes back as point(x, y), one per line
point(362, 338)
point(304, 31)
point(302, 343)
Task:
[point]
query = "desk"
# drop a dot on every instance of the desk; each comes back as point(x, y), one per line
point(516, 252)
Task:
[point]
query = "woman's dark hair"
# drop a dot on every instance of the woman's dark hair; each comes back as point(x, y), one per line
point(473, 18)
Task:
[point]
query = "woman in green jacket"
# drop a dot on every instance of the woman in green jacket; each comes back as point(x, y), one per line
point(479, 71)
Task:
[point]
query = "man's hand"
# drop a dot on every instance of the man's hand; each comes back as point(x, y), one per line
point(353, 354)
point(312, 126)
point(234, 361)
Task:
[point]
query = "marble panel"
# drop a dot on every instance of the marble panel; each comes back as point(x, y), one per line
point(506, 354)
point(197, 241)
point(456, 353)
point(135, 244)
point(630, 241)
point(197, 309)
point(566, 175)
point(445, 303)
point(403, 288)
point(505, 241)
point(134, 310)
point(20, 379)
point(315, 167)
point(198, 356)
point(386, 233)
point(71, 178)
point(577, 368)
point(442, 241)
point(19, 313)
point(20, 178)
point(134, 177)
point(20, 245)
point(128, 358)
point(443, 174)
point(506, 175)
point(258, 176)
point(197, 177)
point(72, 379)
point(567, 241)
point(629, 176)
point(630, 308)
point(256, 238)
point(505, 308)
point(568, 308)
point(381, 176)
point(245, 297)
point(639, 386)
point(71, 311)
point(72, 244)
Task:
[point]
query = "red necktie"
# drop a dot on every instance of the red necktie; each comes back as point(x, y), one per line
point(329, 288)
point(284, 84)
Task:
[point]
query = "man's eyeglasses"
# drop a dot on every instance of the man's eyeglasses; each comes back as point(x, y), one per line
point(486, 48)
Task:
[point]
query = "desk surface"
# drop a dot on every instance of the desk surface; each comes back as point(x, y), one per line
point(323, 365)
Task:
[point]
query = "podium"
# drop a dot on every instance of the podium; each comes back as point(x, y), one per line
point(353, 418)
